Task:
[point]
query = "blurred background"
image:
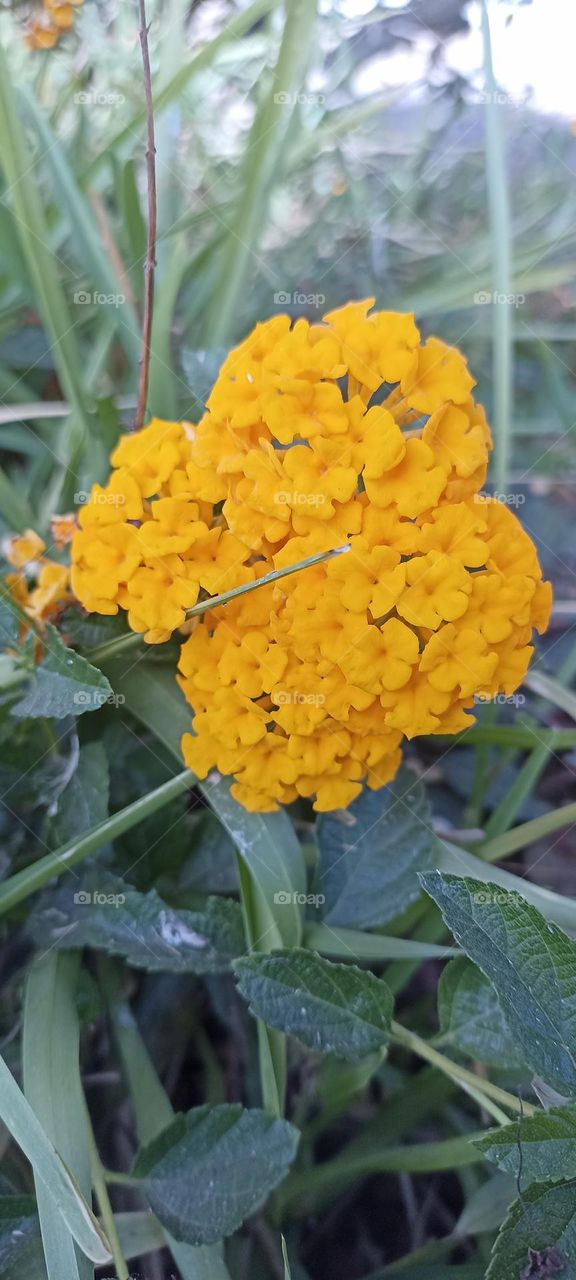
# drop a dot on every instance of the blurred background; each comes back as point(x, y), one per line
point(421, 152)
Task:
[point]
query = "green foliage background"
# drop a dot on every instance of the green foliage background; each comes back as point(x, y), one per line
point(308, 1049)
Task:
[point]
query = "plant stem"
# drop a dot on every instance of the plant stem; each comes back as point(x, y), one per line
point(271, 1044)
point(461, 1075)
point(108, 650)
point(53, 864)
point(99, 1184)
point(152, 220)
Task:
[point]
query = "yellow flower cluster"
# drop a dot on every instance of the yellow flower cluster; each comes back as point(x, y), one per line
point(41, 586)
point(352, 431)
point(57, 18)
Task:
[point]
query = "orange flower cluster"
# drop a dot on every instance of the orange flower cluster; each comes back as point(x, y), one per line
point(355, 432)
point(57, 18)
point(41, 586)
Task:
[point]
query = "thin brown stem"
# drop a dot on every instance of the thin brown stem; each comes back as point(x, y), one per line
point(152, 220)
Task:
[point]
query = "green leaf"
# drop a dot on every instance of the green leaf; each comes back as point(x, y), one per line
point(213, 1167)
point(153, 1112)
point(21, 1121)
point(52, 1085)
point(531, 963)
point(536, 1147)
point(266, 842)
point(544, 1219)
point(370, 859)
point(334, 1008)
point(471, 1017)
point(270, 859)
point(104, 912)
point(63, 684)
point(83, 802)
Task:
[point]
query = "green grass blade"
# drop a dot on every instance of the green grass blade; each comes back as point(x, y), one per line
point(84, 231)
point(354, 944)
point(153, 1113)
point(270, 859)
point(34, 877)
point(18, 166)
point(553, 690)
point(49, 1168)
point(14, 507)
point(300, 1192)
point(519, 837)
point(501, 265)
point(202, 61)
point(259, 165)
point(50, 1057)
point(522, 787)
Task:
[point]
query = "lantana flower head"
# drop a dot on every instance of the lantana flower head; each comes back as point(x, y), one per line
point(349, 432)
point(40, 585)
point(55, 18)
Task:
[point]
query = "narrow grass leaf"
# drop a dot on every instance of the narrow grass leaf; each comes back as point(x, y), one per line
point(34, 877)
point(355, 944)
point(260, 163)
point(49, 1168)
point(84, 231)
point(34, 237)
point(51, 1070)
point(153, 1114)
